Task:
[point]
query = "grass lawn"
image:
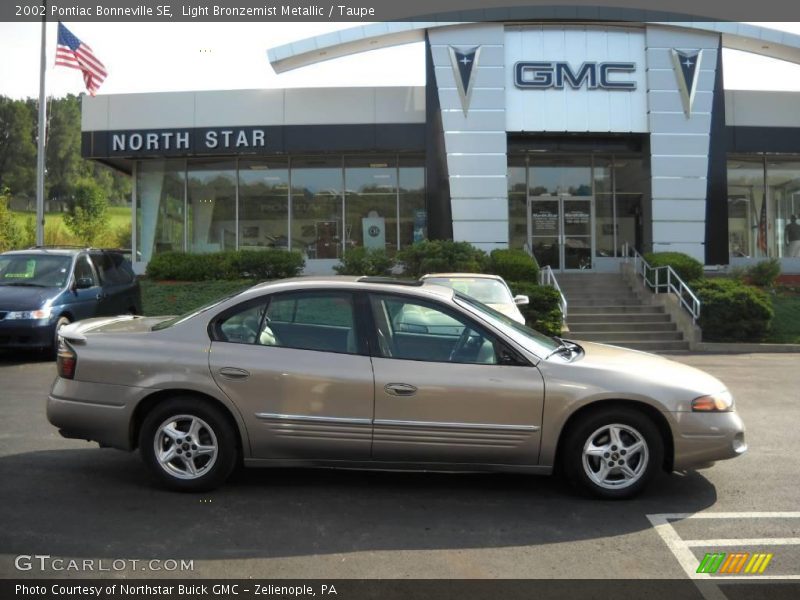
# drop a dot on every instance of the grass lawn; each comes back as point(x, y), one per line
point(175, 298)
point(119, 216)
point(786, 324)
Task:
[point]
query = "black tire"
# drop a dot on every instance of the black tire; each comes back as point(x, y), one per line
point(62, 321)
point(215, 429)
point(597, 426)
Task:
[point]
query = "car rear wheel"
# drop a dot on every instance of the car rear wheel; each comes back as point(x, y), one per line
point(613, 453)
point(188, 444)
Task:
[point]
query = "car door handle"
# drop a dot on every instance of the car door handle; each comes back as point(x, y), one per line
point(233, 373)
point(400, 389)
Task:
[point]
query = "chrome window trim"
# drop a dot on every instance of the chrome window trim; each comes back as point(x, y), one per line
point(493, 426)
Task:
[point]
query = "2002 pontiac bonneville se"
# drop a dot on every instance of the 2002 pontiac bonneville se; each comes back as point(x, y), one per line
point(368, 373)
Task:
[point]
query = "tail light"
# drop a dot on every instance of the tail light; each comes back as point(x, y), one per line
point(66, 360)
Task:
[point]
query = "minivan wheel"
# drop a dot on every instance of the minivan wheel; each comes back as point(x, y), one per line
point(613, 453)
point(188, 444)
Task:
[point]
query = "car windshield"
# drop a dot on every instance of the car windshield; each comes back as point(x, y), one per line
point(488, 291)
point(542, 345)
point(184, 317)
point(35, 270)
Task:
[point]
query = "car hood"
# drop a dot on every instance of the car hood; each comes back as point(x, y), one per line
point(644, 370)
point(14, 297)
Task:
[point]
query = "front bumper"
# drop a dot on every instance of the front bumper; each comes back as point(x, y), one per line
point(96, 412)
point(702, 438)
point(27, 333)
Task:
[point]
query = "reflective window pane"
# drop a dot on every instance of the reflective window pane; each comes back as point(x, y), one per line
point(413, 214)
point(746, 200)
point(604, 224)
point(371, 203)
point(211, 206)
point(159, 207)
point(317, 188)
point(263, 204)
point(783, 181)
point(560, 176)
point(517, 203)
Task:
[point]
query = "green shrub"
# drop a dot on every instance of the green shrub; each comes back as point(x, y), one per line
point(230, 265)
point(266, 264)
point(513, 265)
point(363, 261)
point(684, 265)
point(764, 273)
point(732, 311)
point(543, 313)
point(442, 256)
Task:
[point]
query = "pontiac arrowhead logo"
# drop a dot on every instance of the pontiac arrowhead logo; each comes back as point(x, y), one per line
point(687, 69)
point(464, 61)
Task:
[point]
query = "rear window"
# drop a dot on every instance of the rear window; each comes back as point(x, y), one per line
point(112, 268)
point(488, 291)
point(35, 270)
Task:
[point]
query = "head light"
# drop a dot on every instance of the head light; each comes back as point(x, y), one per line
point(721, 402)
point(42, 313)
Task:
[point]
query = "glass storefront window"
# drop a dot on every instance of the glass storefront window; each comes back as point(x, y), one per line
point(371, 203)
point(783, 183)
point(263, 204)
point(413, 214)
point(317, 224)
point(159, 207)
point(211, 206)
point(560, 176)
point(517, 202)
point(746, 200)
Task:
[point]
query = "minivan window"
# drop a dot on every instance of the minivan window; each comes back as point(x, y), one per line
point(35, 270)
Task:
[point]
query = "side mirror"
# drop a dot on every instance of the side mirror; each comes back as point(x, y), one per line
point(83, 283)
point(521, 300)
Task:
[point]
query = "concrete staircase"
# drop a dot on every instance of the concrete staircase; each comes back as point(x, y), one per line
point(602, 307)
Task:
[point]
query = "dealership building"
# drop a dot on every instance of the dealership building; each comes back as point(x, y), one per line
point(572, 140)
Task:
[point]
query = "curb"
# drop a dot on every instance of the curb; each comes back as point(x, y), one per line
point(733, 348)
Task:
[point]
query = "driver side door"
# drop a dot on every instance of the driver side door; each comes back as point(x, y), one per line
point(449, 391)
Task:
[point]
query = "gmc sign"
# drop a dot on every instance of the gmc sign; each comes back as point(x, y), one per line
point(594, 75)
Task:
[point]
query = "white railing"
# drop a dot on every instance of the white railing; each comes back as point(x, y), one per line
point(662, 280)
point(547, 277)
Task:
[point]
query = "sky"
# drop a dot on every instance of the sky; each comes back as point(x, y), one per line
point(157, 57)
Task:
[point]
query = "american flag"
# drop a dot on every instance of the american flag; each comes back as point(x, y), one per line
point(73, 53)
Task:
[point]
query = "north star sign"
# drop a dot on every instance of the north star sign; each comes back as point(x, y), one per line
point(233, 138)
point(542, 75)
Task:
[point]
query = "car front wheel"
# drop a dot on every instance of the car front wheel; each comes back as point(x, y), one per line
point(613, 453)
point(188, 444)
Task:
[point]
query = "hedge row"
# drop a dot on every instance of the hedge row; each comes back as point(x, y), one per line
point(730, 309)
point(441, 256)
point(543, 313)
point(229, 265)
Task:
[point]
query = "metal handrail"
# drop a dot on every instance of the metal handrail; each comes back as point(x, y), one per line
point(547, 277)
point(668, 280)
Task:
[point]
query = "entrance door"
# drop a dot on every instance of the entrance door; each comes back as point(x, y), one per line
point(561, 231)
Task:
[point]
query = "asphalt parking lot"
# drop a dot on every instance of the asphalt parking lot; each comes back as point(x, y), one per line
point(67, 498)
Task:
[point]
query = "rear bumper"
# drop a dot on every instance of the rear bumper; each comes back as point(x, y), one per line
point(26, 334)
point(96, 412)
point(702, 438)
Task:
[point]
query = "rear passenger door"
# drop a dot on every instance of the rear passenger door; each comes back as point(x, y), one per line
point(118, 293)
point(297, 367)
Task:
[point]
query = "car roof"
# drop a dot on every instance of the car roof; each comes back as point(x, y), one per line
point(62, 250)
point(463, 276)
point(378, 284)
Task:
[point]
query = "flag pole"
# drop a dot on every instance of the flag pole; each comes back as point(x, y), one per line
point(42, 132)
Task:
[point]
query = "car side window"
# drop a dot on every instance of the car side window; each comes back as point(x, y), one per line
point(83, 270)
point(412, 330)
point(243, 327)
point(110, 268)
point(322, 321)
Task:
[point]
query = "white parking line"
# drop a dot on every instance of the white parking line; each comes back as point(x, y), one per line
point(681, 548)
point(744, 542)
